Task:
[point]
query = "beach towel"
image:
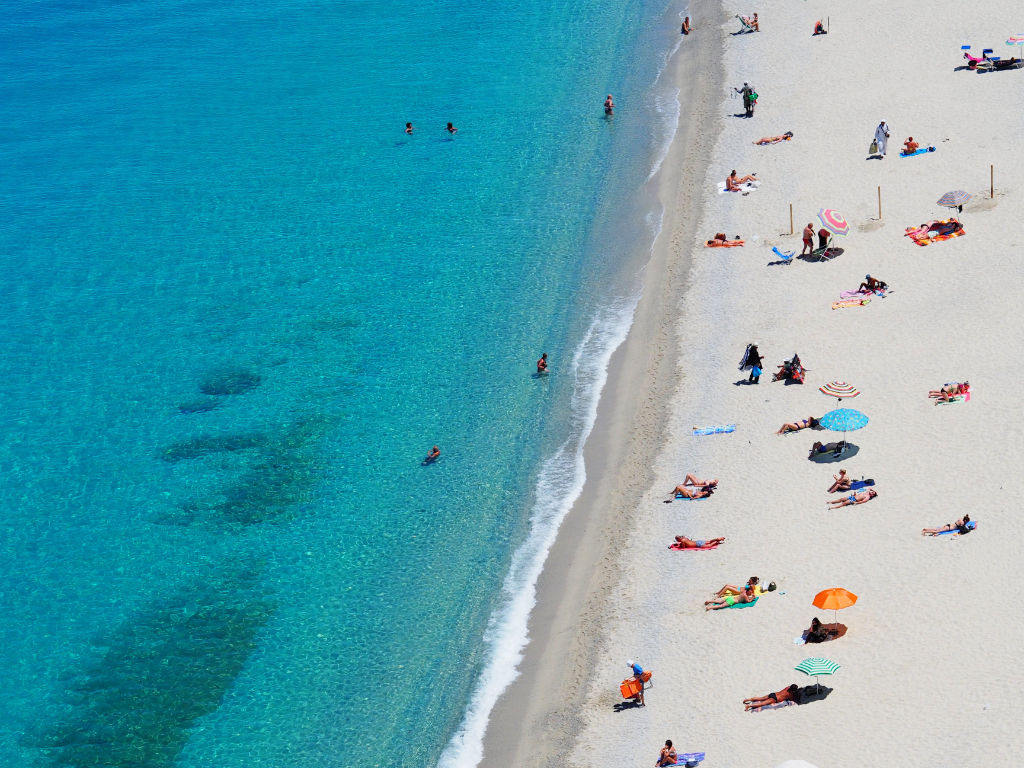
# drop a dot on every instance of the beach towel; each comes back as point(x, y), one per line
point(859, 294)
point(680, 497)
point(675, 547)
point(751, 604)
point(719, 429)
point(856, 485)
point(746, 188)
point(689, 758)
point(920, 235)
point(723, 243)
point(850, 303)
point(971, 525)
point(921, 151)
point(956, 399)
point(777, 705)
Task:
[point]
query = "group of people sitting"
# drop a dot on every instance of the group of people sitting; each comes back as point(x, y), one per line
point(734, 182)
point(693, 488)
point(791, 370)
point(949, 391)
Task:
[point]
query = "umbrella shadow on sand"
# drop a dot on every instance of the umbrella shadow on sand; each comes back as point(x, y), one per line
point(829, 455)
point(811, 693)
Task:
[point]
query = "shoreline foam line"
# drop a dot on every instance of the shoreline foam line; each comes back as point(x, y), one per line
point(559, 485)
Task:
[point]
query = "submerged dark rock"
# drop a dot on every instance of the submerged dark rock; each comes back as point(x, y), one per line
point(205, 446)
point(229, 382)
point(199, 406)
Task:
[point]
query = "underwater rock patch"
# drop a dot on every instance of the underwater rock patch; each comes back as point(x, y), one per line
point(199, 406)
point(205, 446)
point(229, 382)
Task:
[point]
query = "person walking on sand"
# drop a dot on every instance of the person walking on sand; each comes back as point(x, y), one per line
point(752, 360)
point(748, 103)
point(638, 675)
point(882, 137)
point(542, 364)
point(609, 105)
point(808, 239)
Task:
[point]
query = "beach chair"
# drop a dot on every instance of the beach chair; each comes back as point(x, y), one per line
point(746, 26)
point(785, 258)
point(826, 253)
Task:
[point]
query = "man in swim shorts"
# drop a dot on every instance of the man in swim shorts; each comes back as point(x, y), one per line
point(542, 364)
point(728, 601)
point(808, 239)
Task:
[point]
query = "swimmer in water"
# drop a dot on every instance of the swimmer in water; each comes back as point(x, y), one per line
point(542, 364)
point(434, 455)
point(452, 129)
point(609, 105)
point(408, 128)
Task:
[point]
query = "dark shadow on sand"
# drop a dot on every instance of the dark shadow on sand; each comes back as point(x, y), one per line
point(811, 693)
point(622, 706)
point(831, 456)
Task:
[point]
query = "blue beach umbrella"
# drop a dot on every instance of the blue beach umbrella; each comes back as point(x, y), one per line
point(843, 420)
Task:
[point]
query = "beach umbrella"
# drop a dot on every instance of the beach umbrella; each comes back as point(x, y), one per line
point(839, 390)
point(817, 666)
point(954, 199)
point(834, 599)
point(843, 420)
point(833, 221)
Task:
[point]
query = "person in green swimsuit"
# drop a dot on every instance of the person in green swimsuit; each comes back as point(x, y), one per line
point(728, 601)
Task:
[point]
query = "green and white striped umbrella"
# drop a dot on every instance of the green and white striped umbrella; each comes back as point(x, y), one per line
point(817, 666)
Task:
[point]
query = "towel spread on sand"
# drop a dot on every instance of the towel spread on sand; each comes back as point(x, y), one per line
point(855, 294)
point(922, 235)
point(955, 399)
point(921, 151)
point(718, 429)
point(850, 303)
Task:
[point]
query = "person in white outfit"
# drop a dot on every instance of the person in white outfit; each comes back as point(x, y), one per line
point(881, 137)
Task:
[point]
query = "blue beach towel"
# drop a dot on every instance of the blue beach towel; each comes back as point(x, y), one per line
point(689, 758)
point(856, 485)
point(921, 151)
point(716, 430)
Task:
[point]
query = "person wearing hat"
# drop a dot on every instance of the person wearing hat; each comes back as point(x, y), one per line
point(870, 285)
point(638, 675)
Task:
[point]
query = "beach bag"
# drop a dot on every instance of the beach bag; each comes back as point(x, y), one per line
point(873, 149)
point(756, 371)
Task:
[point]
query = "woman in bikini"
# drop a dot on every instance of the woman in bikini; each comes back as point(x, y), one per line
point(950, 389)
point(960, 525)
point(854, 498)
point(774, 139)
point(728, 601)
point(796, 426)
point(692, 488)
point(842, 482)
point(756, 702)
point(682, 542)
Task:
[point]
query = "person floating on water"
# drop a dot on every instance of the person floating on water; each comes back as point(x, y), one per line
point(452, 129)
point(408, 128)
point(433, 455)
point(542, 364)
point(609, 106)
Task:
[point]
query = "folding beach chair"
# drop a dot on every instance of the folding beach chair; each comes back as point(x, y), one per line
point(745, 22)
point(826, 253)
point(785, 258)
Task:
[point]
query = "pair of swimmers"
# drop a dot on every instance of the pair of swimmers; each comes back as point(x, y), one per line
point(450, 128)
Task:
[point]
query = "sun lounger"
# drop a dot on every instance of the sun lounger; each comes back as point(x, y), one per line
point(747, 26)
point(785, 258)
point(826, 253)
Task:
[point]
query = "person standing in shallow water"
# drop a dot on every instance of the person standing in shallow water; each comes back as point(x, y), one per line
point(686, 26)
point(609, 106)
point(451, 129)
point(542, 364)
point(408, 128)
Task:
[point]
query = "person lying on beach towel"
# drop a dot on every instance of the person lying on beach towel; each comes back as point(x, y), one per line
point(934, 231)
point(860, 497)
point(682, 542)
point(820, 447)
point(733, 182)
point(692, 488)
point(820, 633)
point(753, 582)
point(950, 390)
point(755, 703)
point(842, 482)
point(960, 526)
point(721, 241)
point(774, 139)
point(796, 426)
point(728, 601)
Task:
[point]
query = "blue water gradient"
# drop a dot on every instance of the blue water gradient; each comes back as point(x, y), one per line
point(239, 305)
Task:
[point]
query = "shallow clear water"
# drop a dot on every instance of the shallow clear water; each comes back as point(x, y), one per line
point(239, 305)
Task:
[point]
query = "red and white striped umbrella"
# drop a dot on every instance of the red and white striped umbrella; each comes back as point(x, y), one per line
point(839, 389)
point(833, 221)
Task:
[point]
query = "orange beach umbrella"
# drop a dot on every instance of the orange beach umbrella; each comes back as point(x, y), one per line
point(834, 599)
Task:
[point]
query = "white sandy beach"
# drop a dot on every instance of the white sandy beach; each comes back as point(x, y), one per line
point(928, 675)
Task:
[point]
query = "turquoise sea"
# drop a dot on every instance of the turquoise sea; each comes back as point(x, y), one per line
point(239, 304)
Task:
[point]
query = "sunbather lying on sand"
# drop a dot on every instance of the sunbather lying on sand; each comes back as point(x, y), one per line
point(796, 426)
point(842, 482)
point(720, 240)
point(960, 525)
point(728, 601)
point(949, 390)
point(936, 228)
point(820, 447)
point(755, 703)
point(854, 498)
point(682, 542)
point(692, 488)
point(733, 182)
point(729, 589)
point(774, 139)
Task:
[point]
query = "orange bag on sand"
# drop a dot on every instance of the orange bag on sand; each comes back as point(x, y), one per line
point(630, 688)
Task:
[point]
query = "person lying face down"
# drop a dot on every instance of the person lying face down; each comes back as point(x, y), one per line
point(684, 542)
point(755, 703)
point(961, 526)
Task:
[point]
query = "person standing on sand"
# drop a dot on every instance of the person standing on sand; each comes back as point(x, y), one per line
point(808, 239)
point(882, 137)
point(748, 103)
point(542, 364)
point(686, 26)
point(609, 106)
point(638, 675)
